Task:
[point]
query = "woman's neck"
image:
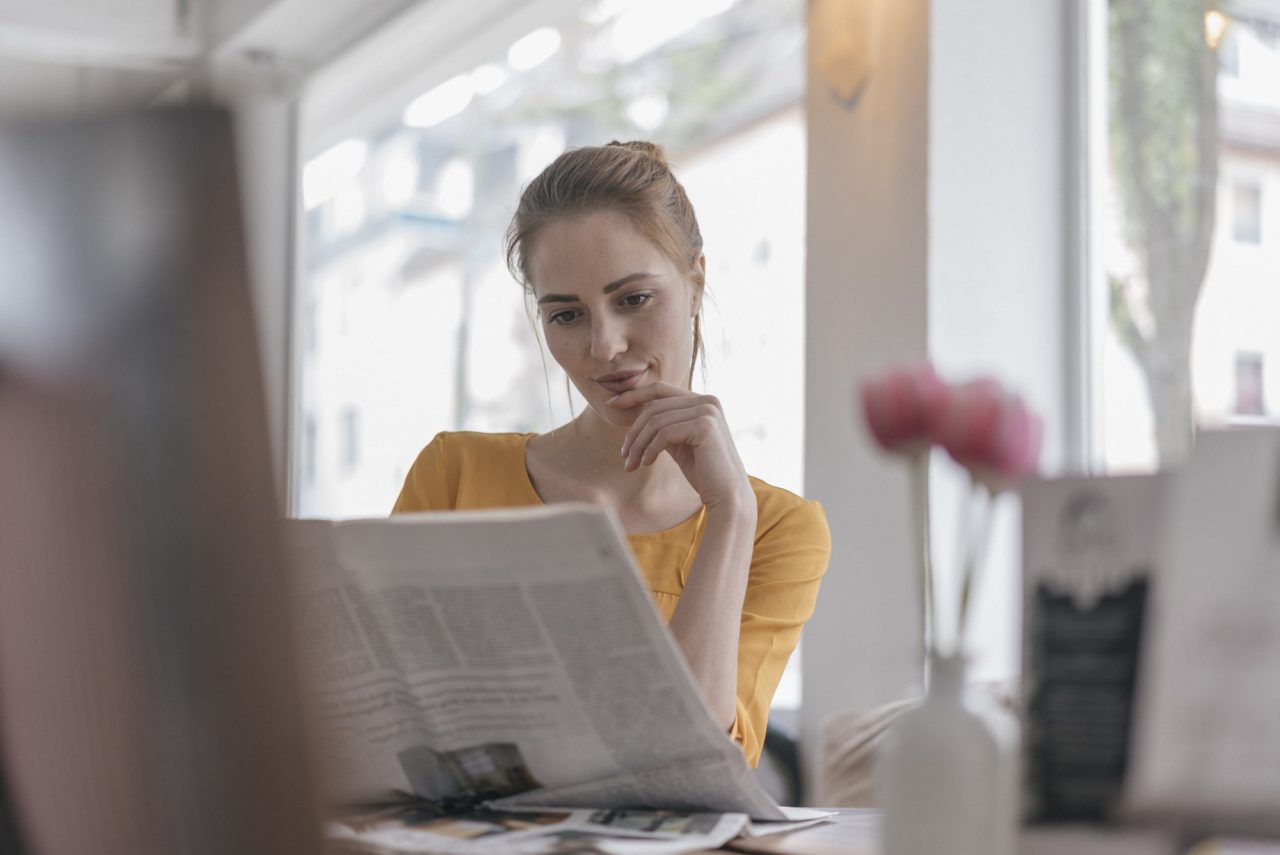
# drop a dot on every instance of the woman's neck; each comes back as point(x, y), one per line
point(593, 448)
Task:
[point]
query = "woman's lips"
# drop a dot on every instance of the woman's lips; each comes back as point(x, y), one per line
point(625, 381)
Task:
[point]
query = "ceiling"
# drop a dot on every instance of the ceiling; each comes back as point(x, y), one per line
point(60, 56)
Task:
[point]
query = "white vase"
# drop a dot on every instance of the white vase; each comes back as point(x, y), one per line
point(946, 772)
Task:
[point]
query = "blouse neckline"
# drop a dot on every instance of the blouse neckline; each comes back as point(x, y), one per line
point(527, 481)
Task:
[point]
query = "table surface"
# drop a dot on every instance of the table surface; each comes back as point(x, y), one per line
point(852, 831)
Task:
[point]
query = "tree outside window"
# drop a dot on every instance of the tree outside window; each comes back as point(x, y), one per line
point(1194, 128)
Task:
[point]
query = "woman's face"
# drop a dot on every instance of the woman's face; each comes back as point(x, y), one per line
point(616, 312)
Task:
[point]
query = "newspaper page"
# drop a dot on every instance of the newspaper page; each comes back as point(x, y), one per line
point(511, 653)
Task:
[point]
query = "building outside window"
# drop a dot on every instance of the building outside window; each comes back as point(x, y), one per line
point(1190, 262)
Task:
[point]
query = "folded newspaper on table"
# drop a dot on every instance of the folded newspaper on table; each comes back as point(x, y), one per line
point(529, 831)
point(502, 660)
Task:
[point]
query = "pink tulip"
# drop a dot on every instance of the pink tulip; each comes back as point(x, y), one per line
point(903, 407)
point(990, 432)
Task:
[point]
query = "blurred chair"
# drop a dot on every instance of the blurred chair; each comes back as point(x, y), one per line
point(850, 739)
point(779, 769)
point(148, 696)
point(849, 743)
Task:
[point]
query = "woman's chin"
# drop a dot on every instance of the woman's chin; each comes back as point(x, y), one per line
point(614, 416)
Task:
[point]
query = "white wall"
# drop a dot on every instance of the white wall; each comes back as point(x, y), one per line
point(997, 227)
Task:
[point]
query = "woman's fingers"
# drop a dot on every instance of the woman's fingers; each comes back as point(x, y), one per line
point(647, 433)
point(690, 433)
point(644, 394)
point(651, 409)
point(695, 424)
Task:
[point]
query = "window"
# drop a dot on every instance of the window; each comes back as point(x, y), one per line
point(349, 430)
point(1249, 388)
point(1246, 213)
point(416, 319)
point(1187, 164)
point(309, 450)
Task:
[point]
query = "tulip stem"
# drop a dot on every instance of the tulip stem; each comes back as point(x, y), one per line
point(923, 549)
point(979, 538)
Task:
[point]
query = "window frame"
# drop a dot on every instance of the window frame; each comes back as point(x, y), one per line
point(1085, 165)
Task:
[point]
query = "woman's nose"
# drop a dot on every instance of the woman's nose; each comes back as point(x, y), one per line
point(607, 339)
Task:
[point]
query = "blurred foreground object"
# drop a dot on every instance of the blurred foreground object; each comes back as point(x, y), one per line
point(1207, 732)
point(1151, 675)
point(1090, 558)
point(148, 696)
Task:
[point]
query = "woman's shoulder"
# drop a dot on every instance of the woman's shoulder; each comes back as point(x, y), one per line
point(780, 512)
point(451, 461)
point(470, 443)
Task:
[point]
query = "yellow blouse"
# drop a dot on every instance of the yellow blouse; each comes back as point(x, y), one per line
point(468, 471)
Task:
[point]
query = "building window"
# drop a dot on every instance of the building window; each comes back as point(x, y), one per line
point(349, 431)
point(1246, 213)
point(1249, 389)
point(309, 450)
point(310, 330)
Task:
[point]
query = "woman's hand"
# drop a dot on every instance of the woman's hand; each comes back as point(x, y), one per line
point(691, 428)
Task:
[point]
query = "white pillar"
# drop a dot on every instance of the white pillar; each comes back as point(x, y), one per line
point(866, 306)
point(936, 226)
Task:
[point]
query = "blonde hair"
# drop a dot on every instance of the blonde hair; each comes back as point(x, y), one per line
point(628, 178)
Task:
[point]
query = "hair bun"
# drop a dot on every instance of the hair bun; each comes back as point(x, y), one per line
point(645, 147)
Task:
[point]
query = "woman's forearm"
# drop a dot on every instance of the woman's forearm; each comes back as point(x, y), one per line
point(706, 621)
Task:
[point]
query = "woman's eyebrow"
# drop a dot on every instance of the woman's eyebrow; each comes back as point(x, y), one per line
point(608, 289)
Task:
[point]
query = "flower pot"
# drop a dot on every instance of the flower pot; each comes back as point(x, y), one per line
point(946, 774)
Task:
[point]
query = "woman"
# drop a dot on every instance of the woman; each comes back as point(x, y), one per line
point(606, 244)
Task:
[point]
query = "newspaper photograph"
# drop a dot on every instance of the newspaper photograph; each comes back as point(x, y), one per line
point(511, 657)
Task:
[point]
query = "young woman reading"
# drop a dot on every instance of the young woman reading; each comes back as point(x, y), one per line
point(606, 244)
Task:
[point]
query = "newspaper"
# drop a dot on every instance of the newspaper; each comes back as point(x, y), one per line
point(509, 657)
point(409, 828)
point(424, 827)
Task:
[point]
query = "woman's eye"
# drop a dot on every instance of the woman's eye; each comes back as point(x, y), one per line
point(635, 300)
point(561, 317)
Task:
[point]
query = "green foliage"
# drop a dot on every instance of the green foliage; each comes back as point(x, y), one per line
point(1159, 61)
